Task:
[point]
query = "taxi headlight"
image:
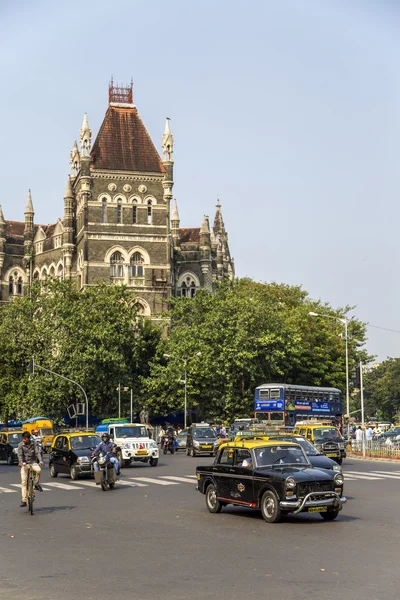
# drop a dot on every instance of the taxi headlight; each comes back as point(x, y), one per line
point(339, 479)
point(290, 483)
point(337, 468)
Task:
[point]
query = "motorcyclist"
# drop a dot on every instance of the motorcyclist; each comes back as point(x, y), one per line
point(108, 447)
point(170, 436)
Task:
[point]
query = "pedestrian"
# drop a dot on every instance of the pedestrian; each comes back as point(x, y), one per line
point(359, 437)
point(29, 455)
point(368, 433)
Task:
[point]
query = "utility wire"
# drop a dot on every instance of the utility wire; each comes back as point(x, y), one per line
point(384, 328)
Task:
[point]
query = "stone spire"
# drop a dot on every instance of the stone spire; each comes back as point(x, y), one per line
point(175, 224)
point(2, 239)
point(168, 142)
point(29, 206)
point(74, 159)
point(205, 239)
point(219, 225)
point(85, 136)
point(68, 224)
point(68, 189)
point(2, 221)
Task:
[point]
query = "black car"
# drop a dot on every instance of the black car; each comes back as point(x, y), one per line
point(272, 476)
point(71, 454)
point(9, 441)
point(318, 460)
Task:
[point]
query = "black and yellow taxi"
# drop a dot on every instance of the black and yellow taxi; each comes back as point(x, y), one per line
point(325, 437)
point(71, 454)
point(9, 441)
point(272, 476)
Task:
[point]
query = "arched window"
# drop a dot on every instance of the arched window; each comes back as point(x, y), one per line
point(188, 287)
point(52, 273)
point(134, 212)
point(36, 275)
point(11, 285)
point(104, 210)
point(119, 210)
point(19, 286)
point(60, 272)
point(136, 267)
point(149, 212)
point(116, 265)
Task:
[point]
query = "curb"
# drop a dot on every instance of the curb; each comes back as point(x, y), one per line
point(357, 457)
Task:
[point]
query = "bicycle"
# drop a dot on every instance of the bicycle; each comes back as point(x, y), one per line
point(30, 488)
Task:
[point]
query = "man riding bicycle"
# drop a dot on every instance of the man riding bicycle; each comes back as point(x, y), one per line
point(29, 455)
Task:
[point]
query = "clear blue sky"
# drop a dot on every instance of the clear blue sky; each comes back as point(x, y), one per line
point(286, 110)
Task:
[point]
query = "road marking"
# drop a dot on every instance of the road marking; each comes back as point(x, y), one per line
point(367, 477)
point(157, 481)
point(80, 482)
point(7, 491)
point(64, 486)
point(177, 478)
point(124, 482)
point(388, 475)
point(191, 476)
point(18, 485)
point(140, 484)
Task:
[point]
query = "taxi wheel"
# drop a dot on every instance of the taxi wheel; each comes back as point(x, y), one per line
point(330, 515)
point(270, 507)
point(73, 473)
point(212, 502)
point(53, 472)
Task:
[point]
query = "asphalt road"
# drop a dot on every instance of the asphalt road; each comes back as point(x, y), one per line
point(157, 541)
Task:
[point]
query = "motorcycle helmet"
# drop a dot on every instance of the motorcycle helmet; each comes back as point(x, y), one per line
point(105, 437)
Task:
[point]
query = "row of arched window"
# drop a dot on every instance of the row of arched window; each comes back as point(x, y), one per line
point(15, 284)
point(136, 268)
point(119, 213)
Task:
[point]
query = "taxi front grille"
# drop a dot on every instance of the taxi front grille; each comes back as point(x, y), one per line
point(308, 488)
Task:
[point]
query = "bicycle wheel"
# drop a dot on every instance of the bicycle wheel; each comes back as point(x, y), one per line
point(31, 495)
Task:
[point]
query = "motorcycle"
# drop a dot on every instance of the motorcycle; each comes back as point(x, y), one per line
point(106, 476)
point(169, 444)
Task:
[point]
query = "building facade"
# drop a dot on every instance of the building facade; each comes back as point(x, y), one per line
point(118, 224)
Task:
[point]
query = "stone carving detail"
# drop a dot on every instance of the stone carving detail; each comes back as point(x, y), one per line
point(127, 188)
point(142, 189)
point(112, 187)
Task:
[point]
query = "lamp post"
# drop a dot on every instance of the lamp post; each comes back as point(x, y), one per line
point(344, 320)
point(119, 399)
point(185, 362)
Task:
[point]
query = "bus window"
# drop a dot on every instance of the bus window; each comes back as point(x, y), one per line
point(263, 394)
point(275, 393)
point(277, 418)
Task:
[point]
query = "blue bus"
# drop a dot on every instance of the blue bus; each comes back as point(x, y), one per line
point(286, 403)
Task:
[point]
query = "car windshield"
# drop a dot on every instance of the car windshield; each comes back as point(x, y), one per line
point(205, 432)
point(46, 431)
point(183, 434)
point(84, 442)
point(280, 455)
point(395, 430)
point(133, 431)
point(14, 439)
point(307, 446)
point(327, 433)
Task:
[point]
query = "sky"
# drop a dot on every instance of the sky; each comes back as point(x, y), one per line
point(287, 111)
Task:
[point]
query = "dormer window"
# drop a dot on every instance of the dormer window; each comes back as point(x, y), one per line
point(39, 247)
point(57, 241)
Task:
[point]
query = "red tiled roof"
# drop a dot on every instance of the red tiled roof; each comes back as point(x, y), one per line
point(15, 228)
point(123, 143)
point(190, 234)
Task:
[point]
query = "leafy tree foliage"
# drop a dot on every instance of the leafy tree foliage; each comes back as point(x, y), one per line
point(94, 338)
point(382, 390)
point(248, 334)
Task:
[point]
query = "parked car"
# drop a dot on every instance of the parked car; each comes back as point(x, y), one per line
point(9, 441)
point(71, 454)
point(275, 477)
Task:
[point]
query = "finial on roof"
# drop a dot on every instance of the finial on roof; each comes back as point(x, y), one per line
point(74, 159)
point(205, 226)
point(167, 142)
point(1, 216)
point(175, 214)
point(85, 136)
point(29, 205)
point(68, 189)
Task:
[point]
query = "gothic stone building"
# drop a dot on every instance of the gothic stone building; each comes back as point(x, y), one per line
point(117, 225)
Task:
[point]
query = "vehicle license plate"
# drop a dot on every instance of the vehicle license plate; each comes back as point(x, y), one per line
point(332, 454)
point(318, 509)
point(207, 447)
point(141, 452)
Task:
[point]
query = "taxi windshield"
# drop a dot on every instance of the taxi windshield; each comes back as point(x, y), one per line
point(133, 431)
point(204, 432)
point(326, 433)
point(280, 455)
point(14, 439)
point(84, 442)
point(307, 446)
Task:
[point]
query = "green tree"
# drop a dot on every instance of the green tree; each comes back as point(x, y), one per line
point(382, 390)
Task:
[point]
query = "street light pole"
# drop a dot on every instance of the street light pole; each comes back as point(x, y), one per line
point(345, 322)
point(185, 362)
point(119, 400)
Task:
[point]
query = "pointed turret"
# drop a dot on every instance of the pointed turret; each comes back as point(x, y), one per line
point(85, 136)
point(175, 224)
point(29, 205)
point(74, 159)
point(205, 238)
point(68, 189)
point(2, 239)
point(168, 142)
point(2, 221)
point(219, 226)
point(68, 224)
